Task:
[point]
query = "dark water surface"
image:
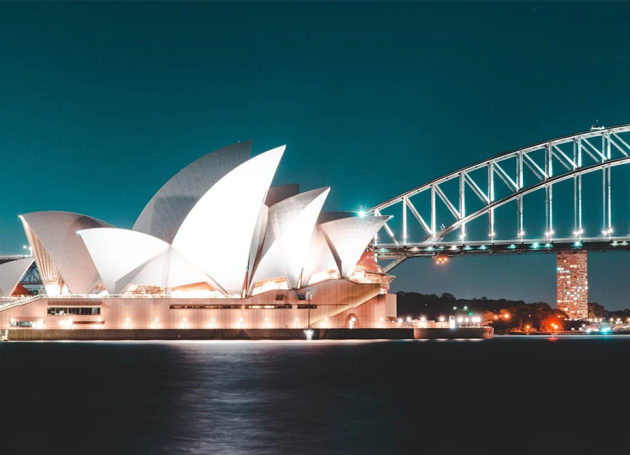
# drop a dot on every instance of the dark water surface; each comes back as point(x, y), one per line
point(507, 395)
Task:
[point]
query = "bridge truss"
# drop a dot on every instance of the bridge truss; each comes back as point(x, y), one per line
point(31, 277)
point(505, 179)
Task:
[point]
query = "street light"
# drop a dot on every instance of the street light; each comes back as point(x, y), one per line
point(29, 248)
point(309, 332)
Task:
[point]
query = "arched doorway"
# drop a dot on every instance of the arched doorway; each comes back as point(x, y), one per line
point(352, 321)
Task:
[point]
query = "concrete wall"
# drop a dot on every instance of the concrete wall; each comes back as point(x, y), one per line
point(246, 334)
point(337, 301)
point(460, 332)
point(207, 334)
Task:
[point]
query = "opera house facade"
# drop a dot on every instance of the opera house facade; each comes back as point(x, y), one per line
point(216, 247)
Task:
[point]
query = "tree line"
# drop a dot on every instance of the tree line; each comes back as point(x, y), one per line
point(503, 314)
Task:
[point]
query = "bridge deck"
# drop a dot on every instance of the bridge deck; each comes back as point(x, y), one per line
point(526, 246)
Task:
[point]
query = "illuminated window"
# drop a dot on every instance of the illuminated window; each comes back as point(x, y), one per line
point(79, 311)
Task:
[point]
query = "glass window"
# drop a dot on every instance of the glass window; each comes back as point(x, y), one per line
point(79, 311)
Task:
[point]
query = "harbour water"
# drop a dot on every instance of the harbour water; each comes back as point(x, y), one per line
point(507, 395)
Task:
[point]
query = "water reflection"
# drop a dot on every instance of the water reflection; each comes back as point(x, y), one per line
point(332, 397)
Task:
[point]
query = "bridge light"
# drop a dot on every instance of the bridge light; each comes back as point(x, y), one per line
point(549, 233)
point(492, 234)
point(521, 233)
point(578, 232)
point(440, 259)
point(535, 245)
point(361, 213)
point(462, 236)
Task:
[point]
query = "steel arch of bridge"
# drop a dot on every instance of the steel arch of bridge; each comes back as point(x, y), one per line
point(597, 150)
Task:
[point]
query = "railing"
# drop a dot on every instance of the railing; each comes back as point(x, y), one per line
point(399, 253)
point(11, 302)
point(614, 241)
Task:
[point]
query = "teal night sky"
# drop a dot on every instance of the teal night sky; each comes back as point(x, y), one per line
point(101, 103)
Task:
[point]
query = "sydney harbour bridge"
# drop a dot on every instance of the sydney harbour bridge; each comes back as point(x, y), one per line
point(556, 195)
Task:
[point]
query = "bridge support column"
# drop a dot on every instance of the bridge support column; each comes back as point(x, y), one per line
point(549, 193)
point(491, 232)
point(462, 203)
point(519, 218)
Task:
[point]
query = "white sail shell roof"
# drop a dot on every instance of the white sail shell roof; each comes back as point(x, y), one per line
point(320, 257)
point(120, 252)
point(280, 193)
point(218, 233)
point(11, 273)
point(168, 208)
point(289, 232)
point(348, 238)
point(58, 250)
point(167, 270)
point(125, 257)
point(258, 241)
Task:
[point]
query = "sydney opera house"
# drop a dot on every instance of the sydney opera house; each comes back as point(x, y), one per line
point(216, 247)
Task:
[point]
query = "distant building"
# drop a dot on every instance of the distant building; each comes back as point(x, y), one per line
point(572, 284)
